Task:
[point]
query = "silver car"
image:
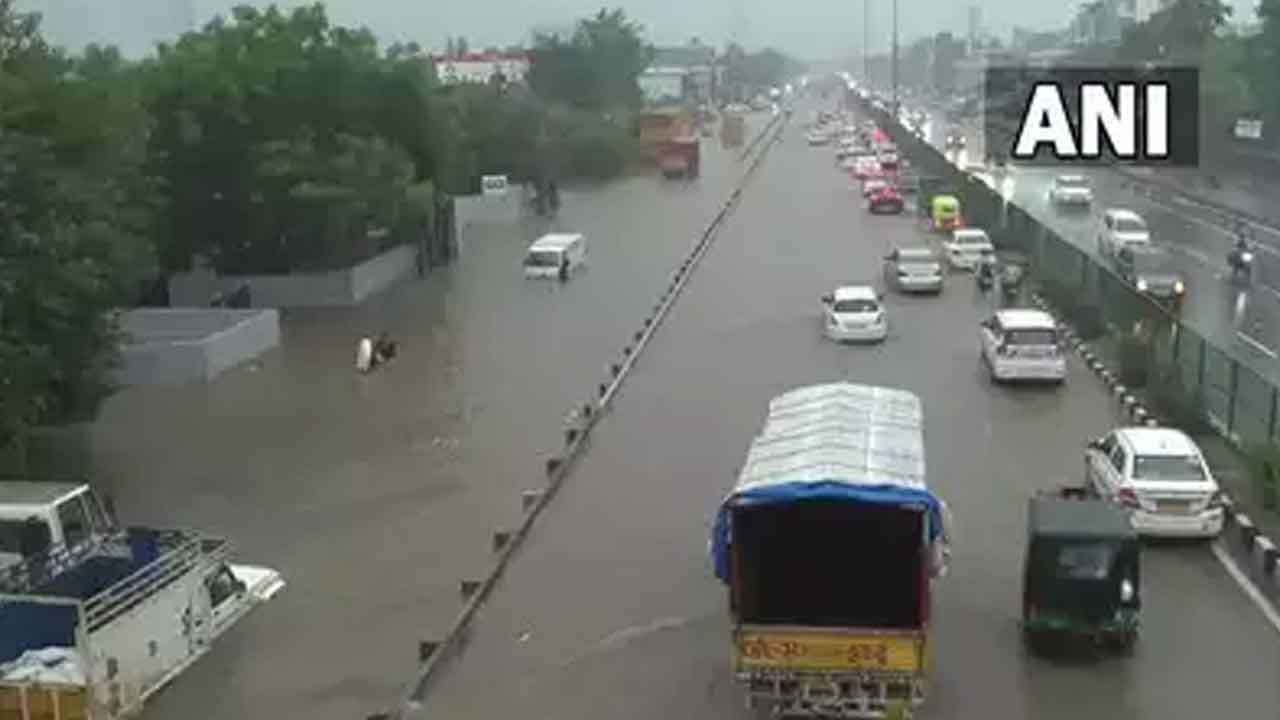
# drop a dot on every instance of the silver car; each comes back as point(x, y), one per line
point(913, 269)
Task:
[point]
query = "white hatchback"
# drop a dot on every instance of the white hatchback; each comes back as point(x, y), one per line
point(1119, 228)
point(854, 314)
point(1160, 476)
point(967, 247)
point(1022, 344)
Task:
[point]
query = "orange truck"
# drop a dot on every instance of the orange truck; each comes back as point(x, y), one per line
point(829, 550)
point(680, 157)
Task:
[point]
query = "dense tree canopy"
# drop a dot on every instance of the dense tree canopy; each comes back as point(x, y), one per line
point(75, 214)
point(597, 68)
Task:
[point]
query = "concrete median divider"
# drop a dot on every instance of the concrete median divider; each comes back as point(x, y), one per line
point(434, 653)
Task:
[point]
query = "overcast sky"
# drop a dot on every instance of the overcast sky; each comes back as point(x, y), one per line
point(811, 29)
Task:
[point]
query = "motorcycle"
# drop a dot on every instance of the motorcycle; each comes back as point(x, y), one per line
point(1240, 260)
point(985, 275)
point(1011, 282)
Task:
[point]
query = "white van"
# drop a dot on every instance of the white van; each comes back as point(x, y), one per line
point(555, 250)
point(1020, 344)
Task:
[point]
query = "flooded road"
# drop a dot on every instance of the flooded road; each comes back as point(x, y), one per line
point(374, 495)
point(611, 609)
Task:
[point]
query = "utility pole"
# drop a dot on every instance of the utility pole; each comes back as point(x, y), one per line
point(866, 49)
point(894, 69)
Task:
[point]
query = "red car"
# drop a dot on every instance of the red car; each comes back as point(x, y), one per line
point(886, 200)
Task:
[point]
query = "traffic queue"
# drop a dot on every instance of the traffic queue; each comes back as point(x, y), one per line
point(824, 629)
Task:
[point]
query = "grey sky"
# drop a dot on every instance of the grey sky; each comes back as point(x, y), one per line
point(807, 28)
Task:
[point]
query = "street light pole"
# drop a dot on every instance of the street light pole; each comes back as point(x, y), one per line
point(866, 26)
point(894, 66)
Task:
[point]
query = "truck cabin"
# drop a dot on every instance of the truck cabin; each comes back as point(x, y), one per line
point(38, 518)
point(793, 565)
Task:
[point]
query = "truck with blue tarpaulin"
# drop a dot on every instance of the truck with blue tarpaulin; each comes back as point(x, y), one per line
point(829, 545)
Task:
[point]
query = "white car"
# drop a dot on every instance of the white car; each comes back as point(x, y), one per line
point(854, 313)
point(1161, 477)
point(967, 247)
point(1021, 344)
point(1119, 227)
point(1071, 190)
point(873, 185)
point(817, 138)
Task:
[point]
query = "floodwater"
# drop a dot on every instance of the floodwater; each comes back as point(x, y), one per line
point(374, 495)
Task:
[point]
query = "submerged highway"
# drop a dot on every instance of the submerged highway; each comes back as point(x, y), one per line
point(611, 609)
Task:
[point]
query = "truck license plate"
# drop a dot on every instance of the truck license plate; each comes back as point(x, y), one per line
point(892, 653)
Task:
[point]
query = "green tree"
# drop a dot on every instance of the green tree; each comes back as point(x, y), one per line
point(598, 68)
point(229, 98)
point(75, 214)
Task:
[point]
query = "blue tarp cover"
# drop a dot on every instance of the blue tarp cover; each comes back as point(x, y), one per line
point(836, 441)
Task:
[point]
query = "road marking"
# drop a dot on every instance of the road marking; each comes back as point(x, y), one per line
point(1264, 605)
point(1256, 344)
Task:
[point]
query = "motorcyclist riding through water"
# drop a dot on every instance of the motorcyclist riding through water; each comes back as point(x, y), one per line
point(1240, 257)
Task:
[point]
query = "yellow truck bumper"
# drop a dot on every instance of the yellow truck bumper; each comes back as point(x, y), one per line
point(831, 673)
point(43, 702)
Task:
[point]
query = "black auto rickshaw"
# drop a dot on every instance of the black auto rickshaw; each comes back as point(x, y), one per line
point(1081, 572)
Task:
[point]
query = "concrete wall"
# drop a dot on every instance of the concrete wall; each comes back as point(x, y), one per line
point(175, 346)
point(333, 288)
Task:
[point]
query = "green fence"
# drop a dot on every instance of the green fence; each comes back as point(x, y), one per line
point(1185, 379)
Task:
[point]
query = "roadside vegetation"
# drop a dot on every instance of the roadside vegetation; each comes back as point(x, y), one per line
point(269, 141)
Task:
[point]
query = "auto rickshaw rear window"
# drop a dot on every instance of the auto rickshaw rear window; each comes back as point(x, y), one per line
point(1086, 560)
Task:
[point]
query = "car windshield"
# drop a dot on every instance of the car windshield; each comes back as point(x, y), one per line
point(1130, 225)
point(972, 238)
point(1085, 561)
point(1035, 336)
point(1153, 262)
point(543, 258)
point(1170, 468)
point(858, 305)
point(916, 257)
point(1072, 182)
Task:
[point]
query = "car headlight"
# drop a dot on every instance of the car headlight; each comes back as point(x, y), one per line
point(1179, 288)
point(1126, 591)
point(1247, 256)
point(1142, 286)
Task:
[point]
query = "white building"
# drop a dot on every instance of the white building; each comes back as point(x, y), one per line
point(481, 67)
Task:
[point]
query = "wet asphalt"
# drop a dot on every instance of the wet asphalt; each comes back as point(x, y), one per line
point(611, 609)
point(1242, 319)
point(374, 495)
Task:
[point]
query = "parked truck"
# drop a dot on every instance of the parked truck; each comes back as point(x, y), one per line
point(829, 545)
point(94, 618)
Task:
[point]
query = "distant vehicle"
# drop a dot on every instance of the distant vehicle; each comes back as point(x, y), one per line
point(955, 141)
point(873, 185)
point(967, 247)
point(822, 627)
point(817, 138)
point(1071, 190)
point(888, 158)
point(914, 269)
point(96, 618)
point(1020, 344)
point(1081, 571)
point(555, 254)
point(1152, 271)
point(1119, 227)
point(853, 313)
point(866, 166)
point(886, 200)
point(1160, 477)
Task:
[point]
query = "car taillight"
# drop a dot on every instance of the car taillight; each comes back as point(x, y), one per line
point(1128, 498)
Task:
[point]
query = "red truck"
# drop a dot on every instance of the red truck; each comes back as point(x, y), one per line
point(680, 157)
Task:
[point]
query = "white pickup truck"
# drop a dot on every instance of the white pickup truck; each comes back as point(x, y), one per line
point(94, 619)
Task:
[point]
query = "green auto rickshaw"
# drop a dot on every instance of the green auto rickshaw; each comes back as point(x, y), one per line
point(1081, 572)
